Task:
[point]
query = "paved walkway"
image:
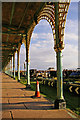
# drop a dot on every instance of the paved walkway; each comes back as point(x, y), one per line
point(17, 103)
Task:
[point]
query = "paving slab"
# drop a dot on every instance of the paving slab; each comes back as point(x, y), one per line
point(4, 100)
point(40, 114)
point(6, 114)
point(17, 102)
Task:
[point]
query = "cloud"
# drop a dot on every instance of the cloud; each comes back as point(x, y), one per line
point(71, 38)
point(44, 23)
point(70, 52)
point(43, 27)
point(70, 57)
point(43, 37)
point(71, 26)
point(42, 54)
point(34, 36)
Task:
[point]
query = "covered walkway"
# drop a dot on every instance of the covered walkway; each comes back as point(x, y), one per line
point(18, 103)
point(18, 22)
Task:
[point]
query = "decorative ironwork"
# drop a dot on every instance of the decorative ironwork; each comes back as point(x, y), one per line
point(48, 13)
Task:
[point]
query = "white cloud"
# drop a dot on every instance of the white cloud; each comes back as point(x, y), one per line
point(34, 36)
point(42, 54)
point(70, 57)
point(42, 36)
point(72, 26)
point(70, 52)
point(44, 23)
point(71, 38)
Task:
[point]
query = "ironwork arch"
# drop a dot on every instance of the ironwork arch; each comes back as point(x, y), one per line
point(48, 13)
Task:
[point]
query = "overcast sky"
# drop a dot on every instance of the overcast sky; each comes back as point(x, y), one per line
point(42, 54)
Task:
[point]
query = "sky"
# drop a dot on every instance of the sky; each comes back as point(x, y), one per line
point(42, 54)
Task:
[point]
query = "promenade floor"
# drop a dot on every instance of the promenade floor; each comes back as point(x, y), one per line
point(17, 103)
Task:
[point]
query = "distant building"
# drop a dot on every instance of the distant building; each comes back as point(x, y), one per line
point(71, 73)
point(42, 73)
point(33, 72)
point(78, 69)
point(51, 69)
point(67, 72)
point(51, 72)
point(75, 74)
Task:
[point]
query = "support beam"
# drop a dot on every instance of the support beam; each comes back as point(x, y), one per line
point(59, 102)
point(18, 64)
point(13, 28)
point(14, 65)
point(27, 63)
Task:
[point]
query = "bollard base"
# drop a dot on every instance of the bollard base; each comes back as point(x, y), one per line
point(60, 104)
point(28, 86)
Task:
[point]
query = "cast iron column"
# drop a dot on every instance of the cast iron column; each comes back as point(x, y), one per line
point(18, 64)
point(11, 65)
point(27, 63)
point(14, 65)
point(59, 102)
point(24, 69)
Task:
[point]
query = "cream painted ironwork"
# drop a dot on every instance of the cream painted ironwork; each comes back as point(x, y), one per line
point(48, 13)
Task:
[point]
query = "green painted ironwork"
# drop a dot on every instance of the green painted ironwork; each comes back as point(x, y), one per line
point(27, 62)
point(59, 56)
point(18, 63)
point(14, 65)
point(27, 6)
point(12, 12)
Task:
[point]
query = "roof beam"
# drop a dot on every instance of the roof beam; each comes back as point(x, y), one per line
point(27, 5)
point(35, 16)
point(12, 12)
point(11, 27)
point(22, 21)
point(12, 33)
point(6, 43)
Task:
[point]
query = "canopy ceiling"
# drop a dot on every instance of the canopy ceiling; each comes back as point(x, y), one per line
point(16, 20)
point(19, 18)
